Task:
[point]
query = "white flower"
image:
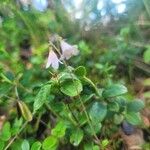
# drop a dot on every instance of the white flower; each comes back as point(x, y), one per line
point(53, 60)
point(68, 50)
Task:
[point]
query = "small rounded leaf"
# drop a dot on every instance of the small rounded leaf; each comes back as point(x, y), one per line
point(97, 112)
point(5, 133)
point(59, 130)
point(71, 87)
point(76, 137)
point(133, 118)
point(36, 146)
point(25, 145)
point(135, 105)
point(50, 143)
point(114, 90)
point(2, 144)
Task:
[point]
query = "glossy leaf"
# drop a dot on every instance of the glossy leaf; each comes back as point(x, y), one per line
point(36, 146)
point(133, 118)
point(114, 90)
point(50, 143)
point(71, 87)
point(135, 105)
point(97, 112)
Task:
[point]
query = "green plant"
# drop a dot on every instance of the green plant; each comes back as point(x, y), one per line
point(82, 111)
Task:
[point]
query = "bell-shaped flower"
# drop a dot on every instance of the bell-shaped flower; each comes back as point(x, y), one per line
point(68, 50)
point(53, 60)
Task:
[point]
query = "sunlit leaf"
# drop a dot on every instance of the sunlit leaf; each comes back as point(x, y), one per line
point(59, 130)
point(5, 133)
point(76, 137)
point(25, 145)
point(50, 143)
point(36, 146)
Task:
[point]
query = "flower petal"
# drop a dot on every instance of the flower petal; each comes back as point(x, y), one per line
point(68, 50)
point(52, 60)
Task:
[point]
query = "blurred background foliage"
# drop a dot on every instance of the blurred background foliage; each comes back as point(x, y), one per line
point(108, 31)
point(112, 36)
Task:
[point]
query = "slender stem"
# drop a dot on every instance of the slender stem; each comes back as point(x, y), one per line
point(76, 120)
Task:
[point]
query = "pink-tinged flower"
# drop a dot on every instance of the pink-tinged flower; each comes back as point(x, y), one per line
point(53, 60)
point(68, 50)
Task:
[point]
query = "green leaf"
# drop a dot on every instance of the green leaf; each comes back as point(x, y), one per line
point(5, 134)
point(16, 145)
point(88, 146)
point(25, 145)
point(41, 97)
point(97, 112)
point(104, 143)
point(122, 102)
point(133, 118)
point(96, 147)
point(60, 129)
point(118, 118)
point(76, 137)
point(65, 76)
point(146, 55)
point(50, 143)
point(36, 146)
point(71, 87)
point(16, 126)
point(135, 105)
point(80, 71)
point(96, 128)
point(91, 146)
point(2, 144)
point(113, 106)
point(25, 111)
point(114, 90)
